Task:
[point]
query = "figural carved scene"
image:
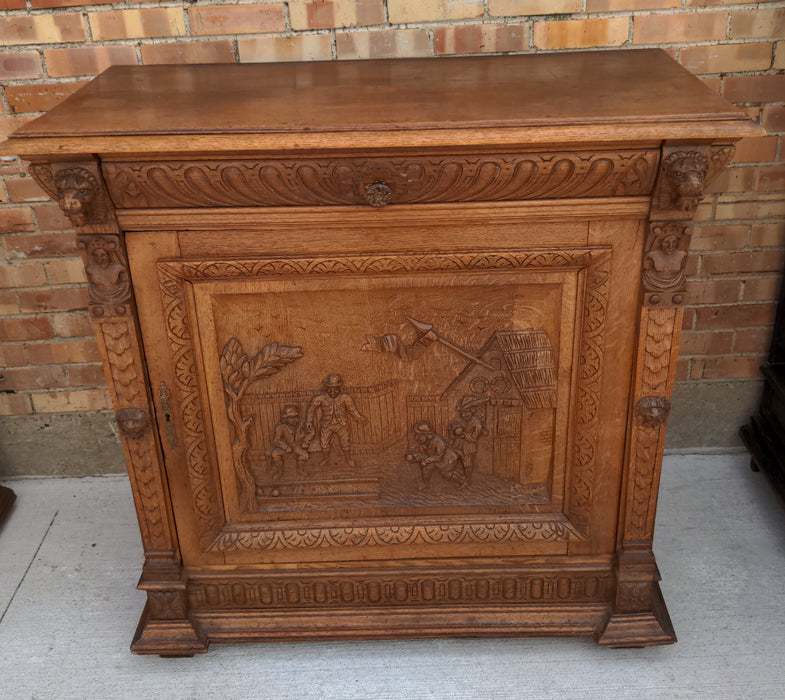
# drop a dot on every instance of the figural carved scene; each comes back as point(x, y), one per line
point(428, 392)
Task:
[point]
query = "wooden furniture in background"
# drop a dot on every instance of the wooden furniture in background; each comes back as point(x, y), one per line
point(764, 435)
point(391, 343)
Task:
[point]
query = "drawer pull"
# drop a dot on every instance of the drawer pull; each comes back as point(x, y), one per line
point(378, 194)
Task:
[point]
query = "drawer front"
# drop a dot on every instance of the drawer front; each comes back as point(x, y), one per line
point(380, 181)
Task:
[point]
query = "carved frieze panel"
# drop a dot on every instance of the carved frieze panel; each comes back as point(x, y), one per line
point(333, 444)
point(442, 588)
point(381, 181)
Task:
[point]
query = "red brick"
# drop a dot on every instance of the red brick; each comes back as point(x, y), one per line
point(15, 405)
point(686, 27)
point(67, 271)
point(479, 38)
point(761, 289)
point(39, 97)
point(42, 29)
point(13, 219)
point(12, 355)
point(12, 4)
point(758, 23)
point(768, 235)
point(509, 8)
point(682, 370)
point(754, 88)
point(734, 317)
point(712, 291)
point(79, 400)
point(735, 179)
point(629, 5)
point(63, 352)
point(87, 60)
point(752, 208)
point(408, 11)
point(189, 52)
point(773, 118)
point(77, 325)
point(239, 19)
point(726, 368)
point(51, 218)
point(19, 65)
point(743, 263)
point(53, 300)
point(580, 33)
point(753, 340)
point(388, 43)
point(40, 245)
point(25, 329)
point(33, 378)
point(87, 375)
point(326, 14)
point(719, 237)
point(771, 178)
point(757, 149)
point(24, 275)
point(706, 343)
point(137, 24)
point(10, 165)
point(727, 58)
point(9, 303)
point(308, 47)
point(36, 4)
point(688, 319)
point(25, 189)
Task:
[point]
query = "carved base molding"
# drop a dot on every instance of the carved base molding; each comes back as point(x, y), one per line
point(167, 637)
point(640, 629)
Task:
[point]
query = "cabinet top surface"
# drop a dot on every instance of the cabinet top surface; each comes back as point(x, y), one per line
point(600, 95)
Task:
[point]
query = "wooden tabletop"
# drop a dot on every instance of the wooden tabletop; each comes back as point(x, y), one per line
point(598, 95)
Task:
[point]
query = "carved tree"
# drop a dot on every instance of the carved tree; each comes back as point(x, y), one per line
point(239, 372)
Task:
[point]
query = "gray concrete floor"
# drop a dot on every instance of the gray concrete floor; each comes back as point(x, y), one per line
point(70, 556)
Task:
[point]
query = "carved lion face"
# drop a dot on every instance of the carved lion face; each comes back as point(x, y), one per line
point(687, 171)
point(76, 190)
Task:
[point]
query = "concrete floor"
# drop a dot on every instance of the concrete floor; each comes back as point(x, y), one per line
point(70, 556)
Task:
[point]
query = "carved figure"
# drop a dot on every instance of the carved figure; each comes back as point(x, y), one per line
point(76, 191)
point(686, 172)
point(289, 438)
point(436, 454)
point(330, 409)
point(466, 434)
point(663, 266)
point(106, 274)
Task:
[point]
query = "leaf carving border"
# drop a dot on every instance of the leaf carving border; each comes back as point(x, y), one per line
point(174, 275)
point(255, 182)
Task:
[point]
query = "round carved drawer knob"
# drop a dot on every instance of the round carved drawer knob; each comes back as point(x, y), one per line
point(378, 194)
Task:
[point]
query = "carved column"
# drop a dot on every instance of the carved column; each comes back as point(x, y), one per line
point(79, 189)
point(639, 615)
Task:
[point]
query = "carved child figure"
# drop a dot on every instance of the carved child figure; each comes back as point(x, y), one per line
point(436, 455)
point(288, 439)
point(330, 410)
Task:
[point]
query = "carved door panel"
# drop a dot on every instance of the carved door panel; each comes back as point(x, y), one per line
point(327, 403)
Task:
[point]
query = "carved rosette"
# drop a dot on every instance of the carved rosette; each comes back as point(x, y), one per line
point(132, 422)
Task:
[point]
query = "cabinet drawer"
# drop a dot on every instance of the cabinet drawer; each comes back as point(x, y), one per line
point(379, 181)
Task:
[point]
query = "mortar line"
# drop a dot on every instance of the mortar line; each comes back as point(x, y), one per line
point(29, 566)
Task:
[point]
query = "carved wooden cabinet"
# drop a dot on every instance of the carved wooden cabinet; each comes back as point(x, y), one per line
point(390, 343)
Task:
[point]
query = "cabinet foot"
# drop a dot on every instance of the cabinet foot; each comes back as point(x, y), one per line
point(640, 629)
point(167, 638)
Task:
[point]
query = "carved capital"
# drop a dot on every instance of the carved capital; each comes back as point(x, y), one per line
point(77, 191)
point(132, 422)
point(682, 179)
point(652, 411)
point(109, 283)
point(664, 263)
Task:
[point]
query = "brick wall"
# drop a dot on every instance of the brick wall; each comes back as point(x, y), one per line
point(48, 359)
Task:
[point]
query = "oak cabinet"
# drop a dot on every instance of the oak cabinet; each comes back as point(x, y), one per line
point(391, 343)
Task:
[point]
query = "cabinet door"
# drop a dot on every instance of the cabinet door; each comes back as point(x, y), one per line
point(338, 406)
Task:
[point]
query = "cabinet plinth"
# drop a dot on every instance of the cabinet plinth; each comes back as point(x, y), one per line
point(391, 344)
